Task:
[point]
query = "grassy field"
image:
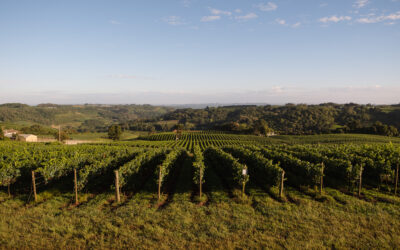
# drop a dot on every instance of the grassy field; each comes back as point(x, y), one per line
point(334, 139)
point(305, 220)
point(302, 219)
point(99, 137)
point(127, 135)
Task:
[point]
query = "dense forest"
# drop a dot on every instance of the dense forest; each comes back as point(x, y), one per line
point(246, 119)
point(295, 119)
point(88, 117)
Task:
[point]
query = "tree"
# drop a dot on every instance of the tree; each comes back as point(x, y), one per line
point(62, 136)
point(152, 130)
point(92, 125)
point(115, 132)
point(392, 131)
point(180, 127)
point(261, 127)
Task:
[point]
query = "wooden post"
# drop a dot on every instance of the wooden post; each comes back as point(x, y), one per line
point(201, 184)
point(9, 193)
point(117, 196)
point(244, 183)
point(321, 184)
point(397, 179)
point(59, 133)
point(244, 173)
point(321, 179)
point(76, 187)
point(281, 186)
point(159, 184)
point(360, 182)
point(34, 185)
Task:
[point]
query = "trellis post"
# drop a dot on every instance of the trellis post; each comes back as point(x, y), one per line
point(34, 185)
point(117, 195)
point(76, 187)
point(201, 180)
point(322, 179)
point(281, 184)
point(244, 173)
point(397, 179)
point(360, 182)
point(159, 183)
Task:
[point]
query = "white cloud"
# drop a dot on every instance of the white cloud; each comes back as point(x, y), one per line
point(114, 22)
point(123, 76)
point(275, 94)
point(220, 12)
point(296, 25)
point(238, 11)
point(393, 17)
point(277, 89)
point(280, 21)
point(376, 19)
point(360, 3)
point(186, 3)
point(270, 6)
point(210, 18)
point(334, 19)
point(246, 17)
point(368, 20)
point(174, 20)
point(284, 23)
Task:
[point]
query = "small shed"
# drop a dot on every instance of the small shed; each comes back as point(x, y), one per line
point(27, 137)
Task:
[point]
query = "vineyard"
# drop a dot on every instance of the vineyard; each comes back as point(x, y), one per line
point(189, 140)
point(209, 176)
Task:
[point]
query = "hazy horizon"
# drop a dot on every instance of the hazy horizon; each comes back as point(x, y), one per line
point(196, 52)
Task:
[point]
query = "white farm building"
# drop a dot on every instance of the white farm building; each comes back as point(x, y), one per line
point(27, 137)
point(10, 133)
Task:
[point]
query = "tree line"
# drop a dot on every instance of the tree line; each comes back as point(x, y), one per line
point(290, 119)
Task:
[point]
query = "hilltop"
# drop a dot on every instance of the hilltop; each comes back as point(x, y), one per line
point(294, 119)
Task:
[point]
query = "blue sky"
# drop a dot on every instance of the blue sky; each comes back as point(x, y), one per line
point(200, 51)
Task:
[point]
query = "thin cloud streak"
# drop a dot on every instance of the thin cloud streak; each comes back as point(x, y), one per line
point(377, 19)
point(210, 18)
point(122, 76)
point(375, 94)
point(174, 20)
point(217, 12)
point(270, 6)
point(335, 19)
point(114, 22)
point(246, 17)
point(360, 3)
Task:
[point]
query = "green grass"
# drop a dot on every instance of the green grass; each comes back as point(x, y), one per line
point(334, 139)
point(224, 222)
point(302, 219)
point(16, 125)
point(128, 135)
